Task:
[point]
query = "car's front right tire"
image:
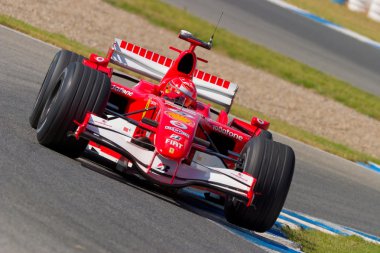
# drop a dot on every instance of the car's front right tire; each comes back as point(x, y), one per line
point(272, 164)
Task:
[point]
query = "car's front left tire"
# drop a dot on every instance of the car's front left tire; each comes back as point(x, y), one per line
point(78, 90)
point(60, 61)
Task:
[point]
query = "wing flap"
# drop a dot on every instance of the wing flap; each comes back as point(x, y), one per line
point(155, 66)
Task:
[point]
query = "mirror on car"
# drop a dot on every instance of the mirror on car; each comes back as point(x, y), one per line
point(257, 122)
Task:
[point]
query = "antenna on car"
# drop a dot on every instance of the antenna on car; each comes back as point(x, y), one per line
point(216, 27)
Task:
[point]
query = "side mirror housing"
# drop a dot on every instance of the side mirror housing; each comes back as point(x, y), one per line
point(262, 124)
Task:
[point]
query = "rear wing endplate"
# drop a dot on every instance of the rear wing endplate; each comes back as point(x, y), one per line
point(155, 66)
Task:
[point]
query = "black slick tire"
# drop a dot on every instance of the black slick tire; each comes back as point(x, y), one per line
point(60, 61)
point(272, 164)
point(266, 134)
point(78, 90)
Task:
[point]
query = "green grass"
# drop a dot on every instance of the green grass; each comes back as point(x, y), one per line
point(55, 39)
point(341, 15)
point(254, 55)
point(52, 38)
point(314, 241)
point(238, 110)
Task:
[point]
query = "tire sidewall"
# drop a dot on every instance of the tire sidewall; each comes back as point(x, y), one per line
point(61, 60)
point(55, 116)
point(41, 97)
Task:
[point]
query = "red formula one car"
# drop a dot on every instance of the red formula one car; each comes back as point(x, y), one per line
point(161, 130)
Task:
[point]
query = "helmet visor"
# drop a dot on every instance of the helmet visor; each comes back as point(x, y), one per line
point(178, 95)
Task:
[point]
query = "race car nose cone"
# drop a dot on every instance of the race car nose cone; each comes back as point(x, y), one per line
point(175, 135)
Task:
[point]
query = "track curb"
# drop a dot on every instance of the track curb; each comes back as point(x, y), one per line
point(327, 23)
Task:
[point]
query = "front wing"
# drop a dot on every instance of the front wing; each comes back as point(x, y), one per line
point(117, 134)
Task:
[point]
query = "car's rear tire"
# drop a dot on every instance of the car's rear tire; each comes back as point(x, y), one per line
point(60, 61)
point(78, 90)
point(272, 164)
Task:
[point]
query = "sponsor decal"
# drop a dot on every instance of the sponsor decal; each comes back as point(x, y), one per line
point(178, 124)
point(162, 167)
point(240, 176)
point(175, 137)
point(199, 158)
point(177, 131)
point(102, 122)
point(171, 150)
point(174, 143)
point(180, 117)
point(121, 90)
point(99, 59)
point(227, 132)
point(183, 113)
point(146, 107)
point(260, 121)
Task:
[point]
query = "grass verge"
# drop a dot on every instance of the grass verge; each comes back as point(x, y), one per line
point(52, 38)
point(314, 241)
point(254, 55)
point(341, 15)
point(238, 110)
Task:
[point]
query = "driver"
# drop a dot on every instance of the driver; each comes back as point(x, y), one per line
point(180, 91)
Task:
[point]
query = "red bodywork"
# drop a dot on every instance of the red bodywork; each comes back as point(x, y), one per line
point(174, 132)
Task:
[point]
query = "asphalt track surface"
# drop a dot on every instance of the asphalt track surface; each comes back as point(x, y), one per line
point(295, 36)
point(50, 203)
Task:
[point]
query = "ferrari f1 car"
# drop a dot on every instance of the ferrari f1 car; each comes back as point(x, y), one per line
point(164, 130)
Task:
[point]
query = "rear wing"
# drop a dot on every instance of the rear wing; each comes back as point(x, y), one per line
point(155, 66)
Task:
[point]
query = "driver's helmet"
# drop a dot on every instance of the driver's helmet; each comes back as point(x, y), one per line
point(181, 91)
